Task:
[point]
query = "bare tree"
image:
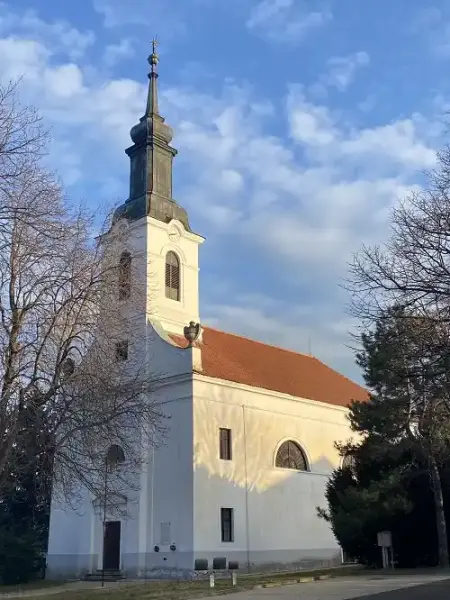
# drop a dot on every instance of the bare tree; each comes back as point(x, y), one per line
point(66, 310)
point(412, 268)
point(412, 271)
point(22, 136)
point(422, 370)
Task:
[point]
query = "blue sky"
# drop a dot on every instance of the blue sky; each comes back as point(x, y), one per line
point(298, 124)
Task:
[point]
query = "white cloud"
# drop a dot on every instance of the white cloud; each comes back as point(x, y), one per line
point(297, 327)
point(59, 34)
point(310, 124)
point(399, 142)
point(286, 21)
point(340, 73)
point(65, 81)
point(93, 113)
point(309, 207)
point(165, 17)
point(114, 53)
point(342, 69)
point(433, 25)
point(301, 204)
point(232, 181)
point(21, 57)
point(316, 242)
point(116, 13)
point(404, 141)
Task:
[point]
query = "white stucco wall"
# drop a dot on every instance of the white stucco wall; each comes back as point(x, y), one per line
point(166, 494)
point(161, 239)
point(183, 482)
point(170, 487)
point(148, 241)
point(69, 547)
point(274, 509)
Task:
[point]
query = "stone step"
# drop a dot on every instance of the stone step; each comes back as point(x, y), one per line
point(110, 575)
point(110, 571)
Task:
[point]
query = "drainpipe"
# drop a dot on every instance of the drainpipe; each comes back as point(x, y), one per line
point(105, 502)
point(152, 494)
point(247, 531)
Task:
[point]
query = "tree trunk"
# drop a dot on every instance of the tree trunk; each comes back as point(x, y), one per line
point(441, 523)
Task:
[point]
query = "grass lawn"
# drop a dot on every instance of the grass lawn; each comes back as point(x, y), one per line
point(26, 587)
point(183, 590)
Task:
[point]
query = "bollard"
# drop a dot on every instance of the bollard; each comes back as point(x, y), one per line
point(233, 578)
point(211, 580)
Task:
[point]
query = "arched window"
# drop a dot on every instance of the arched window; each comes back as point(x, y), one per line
point(68, 367)
point(172, 276)
point(124, 275)
point(114, 457)
point(291, 456)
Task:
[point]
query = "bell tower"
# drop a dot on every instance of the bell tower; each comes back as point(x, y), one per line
point(171, 247)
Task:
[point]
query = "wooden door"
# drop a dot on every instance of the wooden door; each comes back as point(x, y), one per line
point(111, 546)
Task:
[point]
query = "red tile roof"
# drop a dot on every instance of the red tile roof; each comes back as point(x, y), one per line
point(241, 360)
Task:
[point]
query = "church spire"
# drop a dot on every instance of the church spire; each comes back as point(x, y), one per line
point(151, 157)
point(152, 96)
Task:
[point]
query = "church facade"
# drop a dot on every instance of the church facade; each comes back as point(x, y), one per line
point(252, 427)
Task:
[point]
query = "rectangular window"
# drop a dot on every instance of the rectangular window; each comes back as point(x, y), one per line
point(121, 351)
point(225, 444)
point(226, 523)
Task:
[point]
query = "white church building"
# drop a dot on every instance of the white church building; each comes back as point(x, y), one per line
point(252, 427)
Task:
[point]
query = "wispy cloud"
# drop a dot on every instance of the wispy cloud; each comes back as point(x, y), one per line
point(167, 18)
point(319, 330)
point(342, 69)
point(59, 33)
point(297, 204)
point(116, 13)
point(114, 53)
point(433, 24)
point(286, 21)
point(340, 73)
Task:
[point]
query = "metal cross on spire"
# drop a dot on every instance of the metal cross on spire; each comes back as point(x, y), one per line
point(152, 99)
point(153, 59)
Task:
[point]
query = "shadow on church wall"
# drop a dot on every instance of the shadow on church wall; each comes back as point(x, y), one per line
point(275, 518)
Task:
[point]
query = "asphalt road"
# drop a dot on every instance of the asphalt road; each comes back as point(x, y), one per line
point(433, 591)
point(398, 587)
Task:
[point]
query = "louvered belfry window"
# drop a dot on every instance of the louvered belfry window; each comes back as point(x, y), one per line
point(172, 276)
point(291, 456)
point(124, 276)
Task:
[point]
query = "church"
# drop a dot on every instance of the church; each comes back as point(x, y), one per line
point(252, 427)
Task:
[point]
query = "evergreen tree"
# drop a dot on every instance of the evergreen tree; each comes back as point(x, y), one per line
point(383, 491)
point(403, 449)
point(25, 505)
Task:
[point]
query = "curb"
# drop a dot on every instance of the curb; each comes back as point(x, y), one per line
point(272, 584)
